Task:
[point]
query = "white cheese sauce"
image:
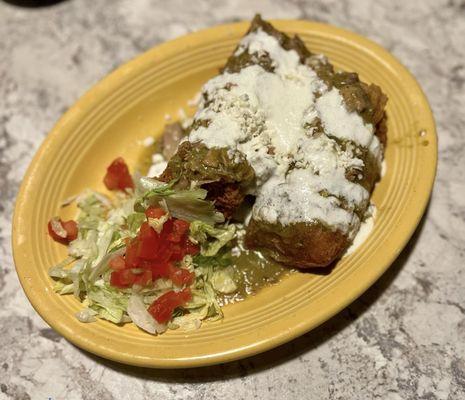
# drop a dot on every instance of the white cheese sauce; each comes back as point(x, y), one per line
point(266, 116)
point(296, 198)
point(383, 168)
point(365, 229)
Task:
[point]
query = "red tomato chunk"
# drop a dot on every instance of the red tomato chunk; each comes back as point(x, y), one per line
point(154, 212)
point(143, 278)
point(131, 258)
point(156, 254)
point(149, 242)
point(117, 263)
point(162, 308)
point(178, 231)
point(181, 276)
point(122, 279)
point(69, 228)
point(117, 176)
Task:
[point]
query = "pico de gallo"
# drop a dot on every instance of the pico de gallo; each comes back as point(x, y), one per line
point(149, 254)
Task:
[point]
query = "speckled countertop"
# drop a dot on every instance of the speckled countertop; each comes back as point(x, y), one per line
point(403, 339)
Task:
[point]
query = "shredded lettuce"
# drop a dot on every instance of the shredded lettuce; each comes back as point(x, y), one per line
point(85, 246)
point(60, 271)
point(108, 302)
point(93, 208)
point(63, 288)
point(134, 221)
point(105, 226)
point(223, 281)
point(102, 228)
point(151, 187)
point(204, 298)
point(205, 265)
point(210, 238)
point(190, 321)
point(189, 205)
point(86, 315)
point(102, 265)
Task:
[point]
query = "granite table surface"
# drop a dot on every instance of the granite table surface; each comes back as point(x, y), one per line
point(403, 339)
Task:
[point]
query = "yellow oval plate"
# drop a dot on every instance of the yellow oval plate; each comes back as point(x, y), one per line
point(129, 105)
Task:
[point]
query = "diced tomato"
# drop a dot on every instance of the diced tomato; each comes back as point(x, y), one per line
point(117, 176)
point(161, 270)
point(173, 237)
point(55, 236)
point(167, 229)
point(122, 279)
point(146, 231)
point(177, 252)
point(70, 228)
point(183, 248)
point(164, 253)
point(155, 254)
point(131, 257)
point(148, 242)
point(181, 276)
point(191, 248)
point(145, 264)
point(117, 263)
point(154, 212)
point(180, 228)
point(144, 278)
point(162, 308)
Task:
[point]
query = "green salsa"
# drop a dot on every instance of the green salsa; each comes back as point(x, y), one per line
point(252, 271)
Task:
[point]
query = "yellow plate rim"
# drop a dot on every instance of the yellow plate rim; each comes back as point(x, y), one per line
point(161, 51)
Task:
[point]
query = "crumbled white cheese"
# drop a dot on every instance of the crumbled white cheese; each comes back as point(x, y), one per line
point(148, 141)
point(158, 165)
point(182, 114)
point(324, 156)
point(236, 251)
point(194, 102)
point(186, 123)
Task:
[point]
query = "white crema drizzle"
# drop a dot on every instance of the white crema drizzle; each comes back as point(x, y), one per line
point(265, 116)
